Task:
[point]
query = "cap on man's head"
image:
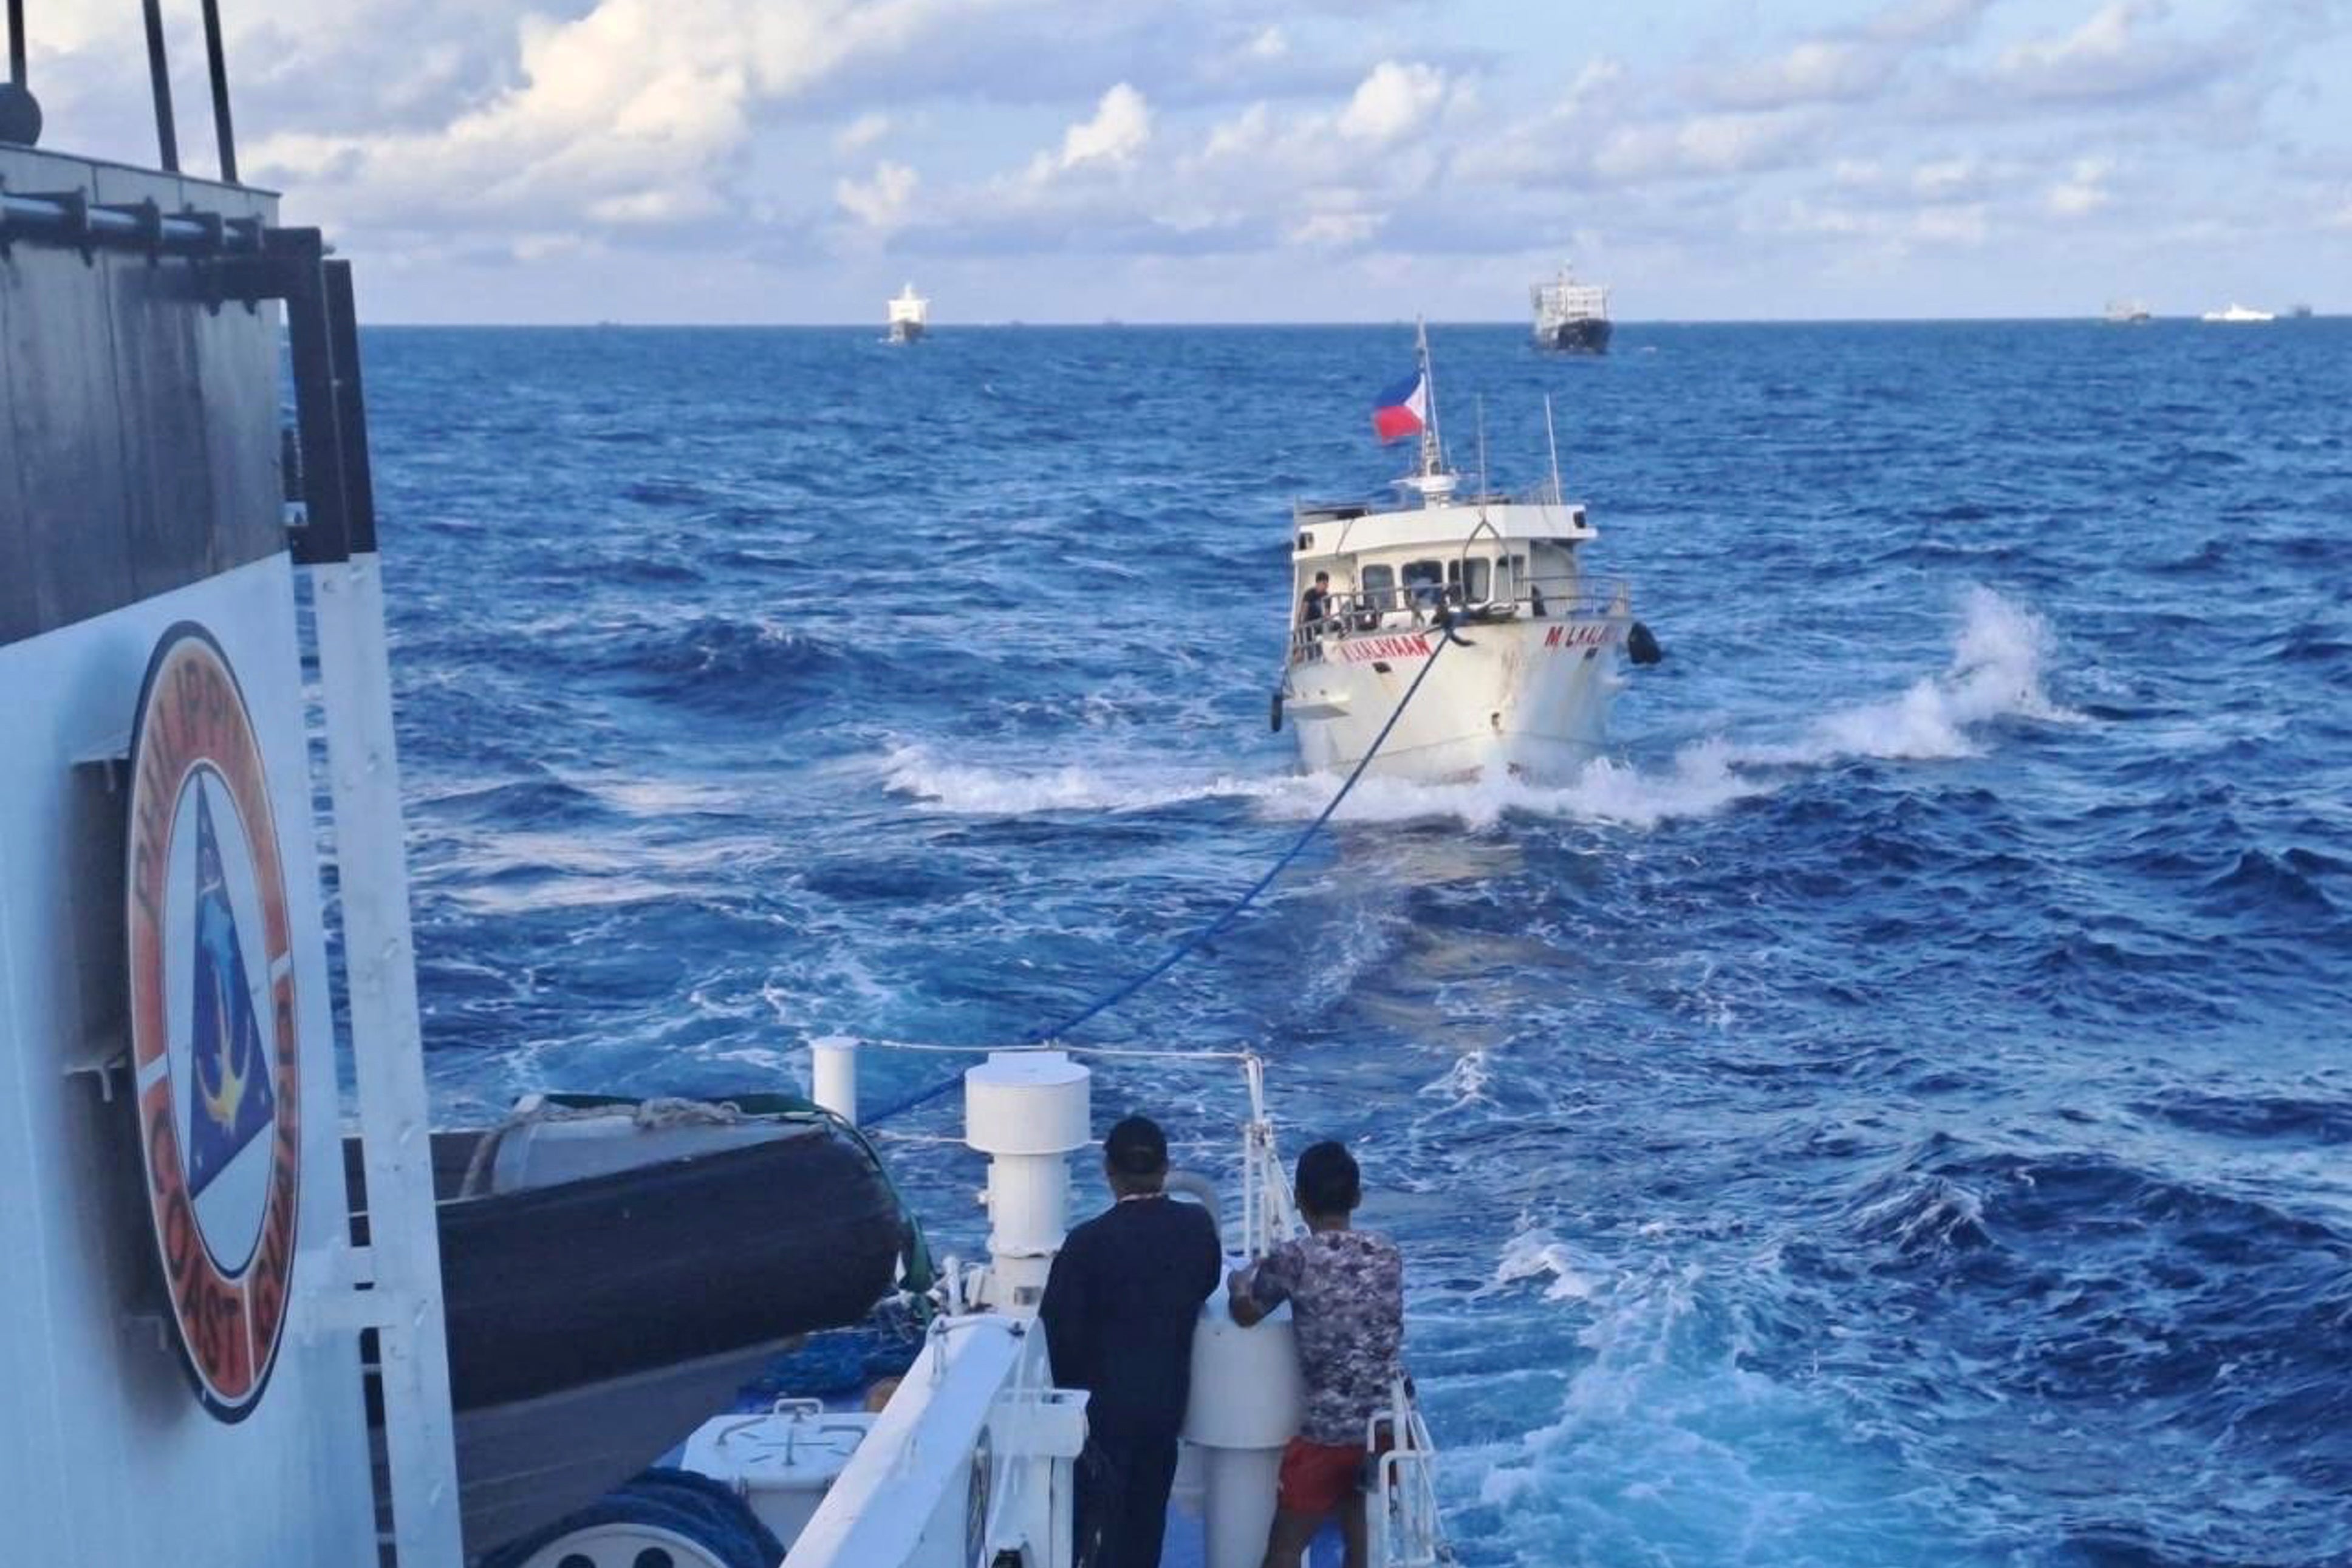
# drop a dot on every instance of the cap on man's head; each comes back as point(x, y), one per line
point(1137, 1147)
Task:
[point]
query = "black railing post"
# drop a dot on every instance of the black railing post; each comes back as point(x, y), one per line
point(16, 42)
point(351, 409)
point(159, 76)
point(317, 416)
point(224, 132)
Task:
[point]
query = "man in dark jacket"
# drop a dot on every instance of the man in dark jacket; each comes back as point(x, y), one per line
point(1119, 1309)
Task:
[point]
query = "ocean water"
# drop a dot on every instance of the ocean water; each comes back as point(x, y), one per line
point(1895, 1109)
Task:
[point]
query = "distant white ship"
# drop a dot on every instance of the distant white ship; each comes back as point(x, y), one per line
point(2128, 312)
point(1571, 317)
point(2237, 313)
point(911, 314)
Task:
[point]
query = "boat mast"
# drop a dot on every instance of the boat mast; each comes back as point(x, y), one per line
point(1551, 439)
point(1433, 450)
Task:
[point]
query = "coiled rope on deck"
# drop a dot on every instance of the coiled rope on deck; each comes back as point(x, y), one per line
point(1051, 1033)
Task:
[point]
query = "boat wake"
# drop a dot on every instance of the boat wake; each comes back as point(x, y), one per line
point(1995, 674)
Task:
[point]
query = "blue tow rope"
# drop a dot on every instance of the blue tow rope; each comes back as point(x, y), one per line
point(1192, 944)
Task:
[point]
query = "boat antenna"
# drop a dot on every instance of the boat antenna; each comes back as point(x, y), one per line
point(1433, 449)
point(1481, 406)
point(1551, 439)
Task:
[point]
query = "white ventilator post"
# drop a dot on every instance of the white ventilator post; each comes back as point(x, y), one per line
point(1028, 1111)
point(833, 1075)
point(1246, 1394)
point(1245, 1402)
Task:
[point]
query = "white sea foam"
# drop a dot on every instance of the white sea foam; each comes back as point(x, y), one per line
point(1995, 672)
point(1536, 1254)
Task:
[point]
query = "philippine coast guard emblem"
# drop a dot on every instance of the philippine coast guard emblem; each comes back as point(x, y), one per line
point(213, 1036)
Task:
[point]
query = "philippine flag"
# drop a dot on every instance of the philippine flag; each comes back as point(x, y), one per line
point(1403, 410)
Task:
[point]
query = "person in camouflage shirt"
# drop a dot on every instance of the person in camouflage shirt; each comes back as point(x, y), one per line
point(1346, 1291)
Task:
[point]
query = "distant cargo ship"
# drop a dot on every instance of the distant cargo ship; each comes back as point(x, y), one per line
point(1571, 317)
point(910, 315)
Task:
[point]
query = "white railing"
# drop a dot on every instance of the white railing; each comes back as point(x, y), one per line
point(1405, 1528)
point(1564, 598)
point(1269, 1216)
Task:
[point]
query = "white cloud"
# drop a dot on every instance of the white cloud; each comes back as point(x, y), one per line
point(1392, 102)
point(1930, 21)
point(2082, 191)
point(882, 200)
point(2117, 53)
point(861, 134)
point(1706, 144)
point(1334, 231)
point(2107, 34)
point(1945, 177)
point(1118, 130)
point(628, 113)
point(1245, 133)
point(1815, 71)
point(451, 134)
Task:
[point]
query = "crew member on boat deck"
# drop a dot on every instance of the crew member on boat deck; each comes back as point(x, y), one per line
point(1315, 604)
point(1346, 1291)
point(1119, 1308)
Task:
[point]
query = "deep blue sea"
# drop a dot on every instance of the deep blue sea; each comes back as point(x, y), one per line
point(1897, 1110)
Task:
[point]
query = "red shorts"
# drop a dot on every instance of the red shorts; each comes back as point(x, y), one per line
point(1317, 1477)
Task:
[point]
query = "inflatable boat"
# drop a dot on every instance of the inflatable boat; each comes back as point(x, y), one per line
point(613, 1270)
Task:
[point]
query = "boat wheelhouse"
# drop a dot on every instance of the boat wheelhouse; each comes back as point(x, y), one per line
point(1531, 639)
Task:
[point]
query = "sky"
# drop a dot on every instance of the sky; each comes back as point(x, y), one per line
point(795, 161)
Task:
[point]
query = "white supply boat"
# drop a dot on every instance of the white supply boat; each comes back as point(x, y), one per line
point(910, 315)
point(1570, 317)
point(2237, 313)
point(1529, 641)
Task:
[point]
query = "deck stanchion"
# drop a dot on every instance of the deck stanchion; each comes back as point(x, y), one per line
point(833, 1075)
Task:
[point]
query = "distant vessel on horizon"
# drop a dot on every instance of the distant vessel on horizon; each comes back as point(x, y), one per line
point(2128, 312)
point(2237, 313)
point(2298, 312)
point(910, 316)
point(1571, 317)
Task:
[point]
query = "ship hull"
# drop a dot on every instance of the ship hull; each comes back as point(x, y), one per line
point(1588, 336)
point(906, 331)
point(1524, 698)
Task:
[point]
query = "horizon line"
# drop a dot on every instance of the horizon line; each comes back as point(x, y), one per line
point(1121, 323)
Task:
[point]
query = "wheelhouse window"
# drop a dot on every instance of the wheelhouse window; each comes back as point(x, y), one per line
point(1468, 580)
point(1424, 582)
point(1378, 586)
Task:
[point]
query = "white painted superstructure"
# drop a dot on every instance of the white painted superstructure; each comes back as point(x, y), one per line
point(909, 315)
point(1525, 686)
point(1569, 315)
point(2237, 314)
